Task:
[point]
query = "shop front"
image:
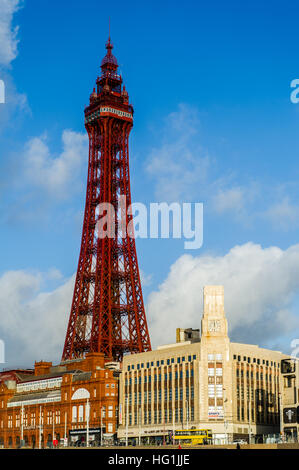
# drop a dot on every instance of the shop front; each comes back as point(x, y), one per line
point(78, 437)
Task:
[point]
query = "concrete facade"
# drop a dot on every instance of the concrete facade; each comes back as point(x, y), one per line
point(290, 399)
point(207, 382)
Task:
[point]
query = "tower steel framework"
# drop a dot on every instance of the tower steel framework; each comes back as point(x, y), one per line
point(107, 312)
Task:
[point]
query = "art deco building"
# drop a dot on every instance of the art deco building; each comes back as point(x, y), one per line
point(53, 402)
point(204, 382)
point(290, 399)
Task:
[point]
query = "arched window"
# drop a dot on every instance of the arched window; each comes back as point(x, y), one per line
point(81, 394)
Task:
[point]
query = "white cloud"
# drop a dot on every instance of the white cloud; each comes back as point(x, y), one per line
point(58, 176)
point(283, 214)
point(145, 279)
point(229, 199)
point(182, 170)
point(180, 164)
point(33, 322)
point(260, 287)
point(8, 32)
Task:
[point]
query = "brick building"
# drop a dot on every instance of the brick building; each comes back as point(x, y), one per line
point(52, 402)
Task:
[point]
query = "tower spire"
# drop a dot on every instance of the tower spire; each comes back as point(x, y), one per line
point(109, 61)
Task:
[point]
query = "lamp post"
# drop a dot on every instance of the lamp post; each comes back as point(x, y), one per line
point(40, 428)
point(65, 424)
point(101, 426)
point(187, 413)
point(22, 424)
point(249, 433)
point(53, 429)
point(224, 417)
point(127, 419)
point(280, 416)
point(87, 422)
point(139, 420)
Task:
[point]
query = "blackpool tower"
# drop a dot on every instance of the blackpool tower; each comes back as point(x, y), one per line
point(107, 312)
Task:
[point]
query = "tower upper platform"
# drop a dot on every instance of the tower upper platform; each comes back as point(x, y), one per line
point(109, 97)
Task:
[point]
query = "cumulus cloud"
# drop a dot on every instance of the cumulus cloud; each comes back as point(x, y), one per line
point(56, 175)
point(260, 287)
point(8, 32)
point(33, 321)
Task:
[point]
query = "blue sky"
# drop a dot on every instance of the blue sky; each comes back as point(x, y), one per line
point(213, 123)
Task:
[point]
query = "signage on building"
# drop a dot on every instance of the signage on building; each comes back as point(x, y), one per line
point(215, 412)
point(120, 414)
point(290, 415)
point(83, 431)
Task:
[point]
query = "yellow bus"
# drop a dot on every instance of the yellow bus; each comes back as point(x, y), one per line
point(193, 437)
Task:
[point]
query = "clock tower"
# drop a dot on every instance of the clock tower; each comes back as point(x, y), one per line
point(213, 323)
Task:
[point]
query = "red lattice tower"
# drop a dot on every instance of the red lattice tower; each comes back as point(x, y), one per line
point(107, 313)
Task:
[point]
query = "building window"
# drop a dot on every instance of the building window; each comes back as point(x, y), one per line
point(110, 411)
point(81, 413)
point(110, 427)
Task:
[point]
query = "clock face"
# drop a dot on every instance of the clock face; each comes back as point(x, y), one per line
point(214, 325)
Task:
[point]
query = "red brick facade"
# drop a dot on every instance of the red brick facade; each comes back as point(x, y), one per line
point(56, 398)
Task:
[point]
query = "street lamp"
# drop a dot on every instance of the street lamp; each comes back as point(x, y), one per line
point(281, 416)
point(87, 422)
point(224, 417)
point(127, 418)
point(40, 427)
point(101, 426)
point(65, 426)
point(187, 413)
point(53, 418)
point(22, 424)
point(139, 437)
point(249, 431)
